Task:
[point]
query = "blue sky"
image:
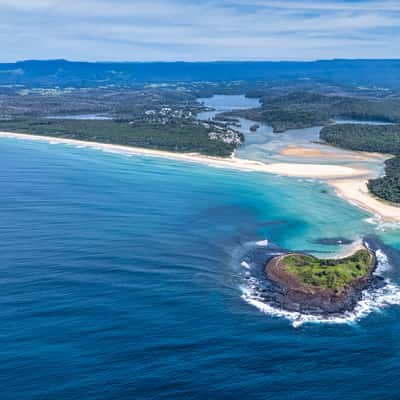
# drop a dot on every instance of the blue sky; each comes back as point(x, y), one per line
point(141, 30)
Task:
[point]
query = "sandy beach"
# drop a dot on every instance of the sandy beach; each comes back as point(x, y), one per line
point(355, 189)
point(349, 182)
point(356, 192)
point(349, 250)
point(318, 171)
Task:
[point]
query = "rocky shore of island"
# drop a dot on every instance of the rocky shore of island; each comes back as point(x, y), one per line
point(291, 294)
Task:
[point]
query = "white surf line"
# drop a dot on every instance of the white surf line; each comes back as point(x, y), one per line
point(321, 171)
point(372, 300)
point(348, 182)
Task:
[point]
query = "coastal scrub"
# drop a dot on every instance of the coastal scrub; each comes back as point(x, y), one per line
point(332, 274)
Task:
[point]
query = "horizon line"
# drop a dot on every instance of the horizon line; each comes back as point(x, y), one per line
point(194, 61)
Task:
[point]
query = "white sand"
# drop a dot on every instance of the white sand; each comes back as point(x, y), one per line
point(319, 171)
point(349, 182)
point(349, 250)
point(356, 191)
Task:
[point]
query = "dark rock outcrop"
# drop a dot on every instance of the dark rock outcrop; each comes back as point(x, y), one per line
point(287, 292)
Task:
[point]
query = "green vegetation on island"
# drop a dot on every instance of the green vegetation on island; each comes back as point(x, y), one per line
point(331, 274)
point(179, 137)
point(374, 138)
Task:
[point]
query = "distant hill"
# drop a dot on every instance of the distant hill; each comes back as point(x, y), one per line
point(370, 73)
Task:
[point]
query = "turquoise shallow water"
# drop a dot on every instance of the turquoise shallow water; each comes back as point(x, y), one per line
point(266, 146)
point(122, 277)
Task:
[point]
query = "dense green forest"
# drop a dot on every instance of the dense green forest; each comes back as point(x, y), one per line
point(388, 187)
point(304, 109)
point(364, 137)
point(179, 137)
point(379, 138)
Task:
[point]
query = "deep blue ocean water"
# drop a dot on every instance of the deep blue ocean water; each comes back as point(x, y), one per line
point(121, 278)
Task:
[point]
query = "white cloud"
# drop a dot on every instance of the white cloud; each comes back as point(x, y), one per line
point(381, 5)
point(189, 30)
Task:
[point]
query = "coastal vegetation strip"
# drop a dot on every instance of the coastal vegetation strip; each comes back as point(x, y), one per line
point(183, 137)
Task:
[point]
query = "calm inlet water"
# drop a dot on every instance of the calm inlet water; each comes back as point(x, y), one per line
point(124, 278)
point(266, 146)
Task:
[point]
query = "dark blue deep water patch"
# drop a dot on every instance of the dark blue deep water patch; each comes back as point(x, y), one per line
point(119, 281)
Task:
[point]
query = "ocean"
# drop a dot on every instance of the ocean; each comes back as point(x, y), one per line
point(129, 277)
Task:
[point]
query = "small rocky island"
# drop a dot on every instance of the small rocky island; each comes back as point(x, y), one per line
point(311, 285)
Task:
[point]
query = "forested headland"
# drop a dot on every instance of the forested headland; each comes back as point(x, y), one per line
point(373, 138)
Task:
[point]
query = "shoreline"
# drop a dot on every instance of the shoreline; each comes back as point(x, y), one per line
point(349, 250)
point(317, 171)
point(356, 192)
point(348, 182)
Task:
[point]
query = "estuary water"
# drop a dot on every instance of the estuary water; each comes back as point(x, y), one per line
point(267, 146)
point(128, 277)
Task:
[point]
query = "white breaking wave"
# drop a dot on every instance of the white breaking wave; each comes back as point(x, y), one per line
point(244, 264)
point(262, 243)
point(383, 262)
point(372, 300)
point(381, 225)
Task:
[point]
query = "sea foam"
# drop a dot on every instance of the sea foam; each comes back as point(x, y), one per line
point(381, 225)
point(372, 300)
